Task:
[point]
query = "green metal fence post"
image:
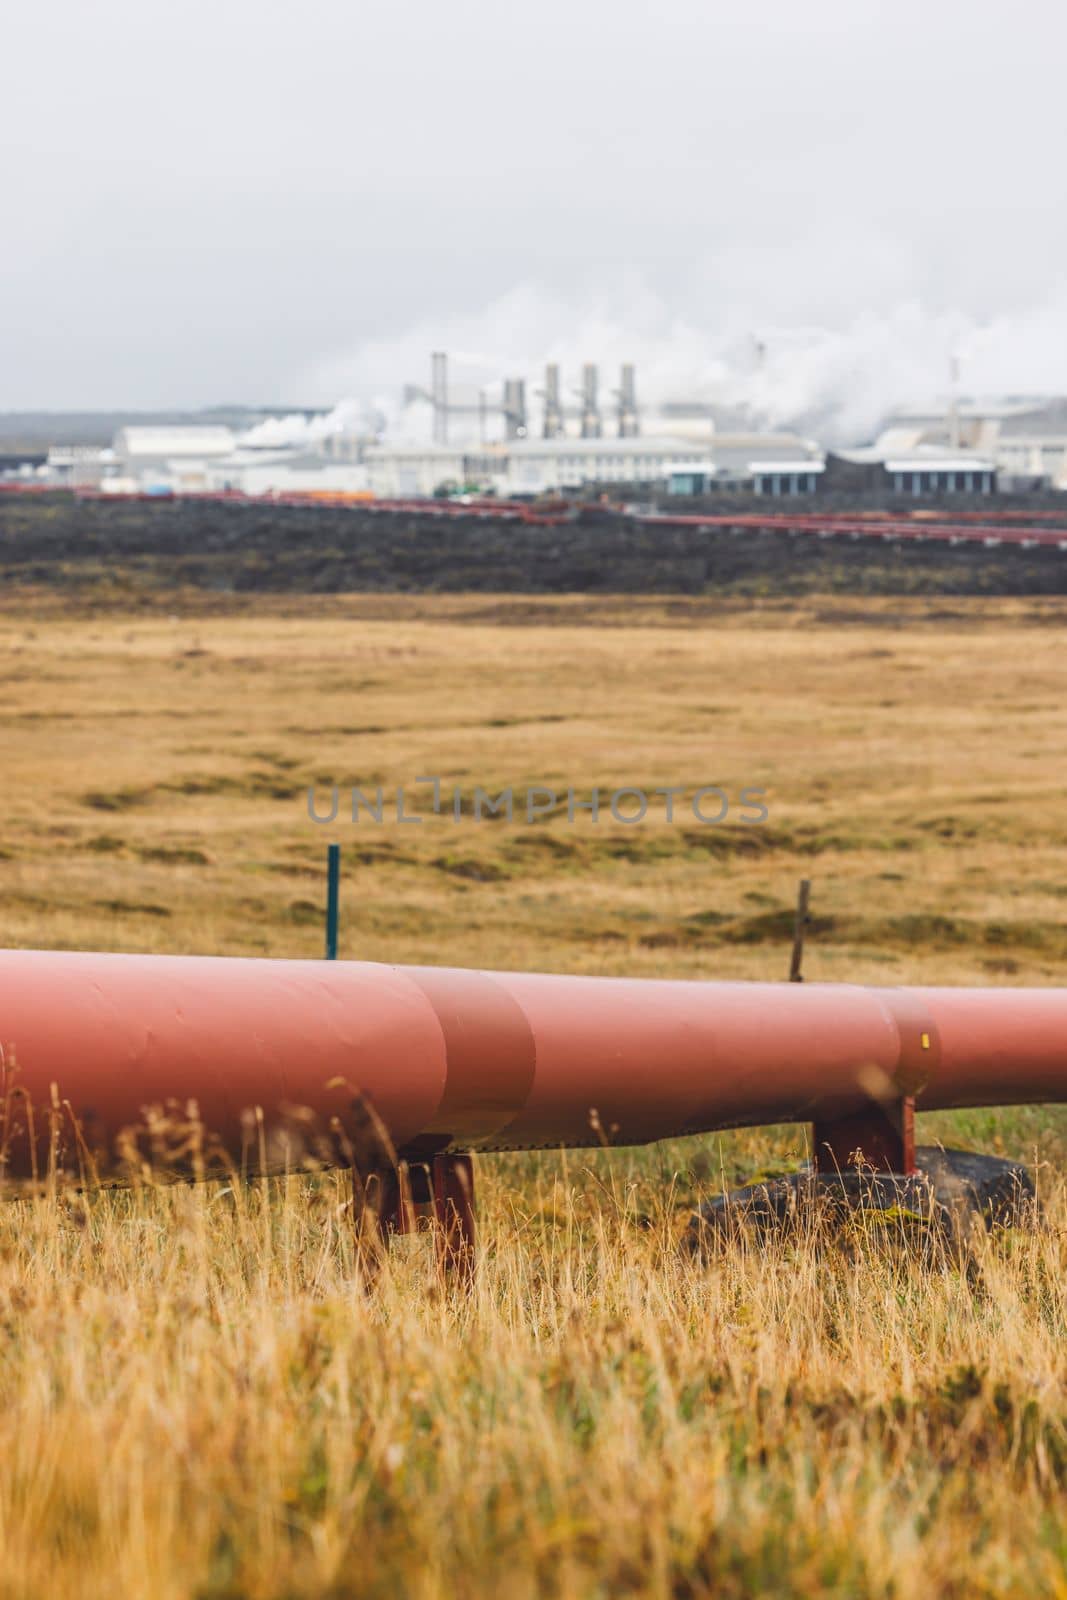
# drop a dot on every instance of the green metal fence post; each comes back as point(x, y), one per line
point(333, 885)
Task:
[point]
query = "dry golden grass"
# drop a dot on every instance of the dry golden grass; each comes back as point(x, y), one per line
point(200, 1395)
point(156, 772)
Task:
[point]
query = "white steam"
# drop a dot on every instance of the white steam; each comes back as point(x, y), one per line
point(299, 430)
point(834, 381)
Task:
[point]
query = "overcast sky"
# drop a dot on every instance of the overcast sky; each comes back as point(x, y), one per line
point(245, 200)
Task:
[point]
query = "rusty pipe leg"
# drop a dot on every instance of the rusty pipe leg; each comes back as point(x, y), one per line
point(381, 1208)
point(880, 1138)
point(453, 1199)
point(385, 1196)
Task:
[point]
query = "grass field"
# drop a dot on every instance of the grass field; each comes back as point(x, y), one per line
point(200, 1396)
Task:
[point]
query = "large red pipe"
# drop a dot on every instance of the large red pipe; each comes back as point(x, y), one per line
point(464, 1060)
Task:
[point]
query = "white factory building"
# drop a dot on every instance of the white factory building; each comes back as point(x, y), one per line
point(1023, 439)
point(172, 457)
point(257, 471)
point(551, 466)
point(518, 466)
point(79, 466)
point(204, 460)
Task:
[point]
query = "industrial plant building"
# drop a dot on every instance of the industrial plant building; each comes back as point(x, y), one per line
point(1024, 440)
point(520, 466)
point(480, 444)
point(454, 439)
point(925, 473)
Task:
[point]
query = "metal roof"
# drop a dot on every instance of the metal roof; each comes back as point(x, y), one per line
point(940, 464)
point(422, 452)
point(522, 449)
point(644, 445)
point(167, 443)
point(1042, 422)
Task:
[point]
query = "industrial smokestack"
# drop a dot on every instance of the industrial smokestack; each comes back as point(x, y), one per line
point(552, 427)
point(954, 401)
point(439, 396)
point(515, 426)
point(628, 425)
point(591, 424)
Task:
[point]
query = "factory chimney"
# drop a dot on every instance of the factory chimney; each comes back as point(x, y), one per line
point(628, 425)
point(439, 396)
point(515, 408)
point(954, 401)
point(552, 427)
point(591, 425)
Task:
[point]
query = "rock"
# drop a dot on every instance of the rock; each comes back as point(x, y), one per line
point(953, 1194)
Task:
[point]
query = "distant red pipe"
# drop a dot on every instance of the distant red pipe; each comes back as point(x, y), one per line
point(457, 1060)
point(834, 525)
